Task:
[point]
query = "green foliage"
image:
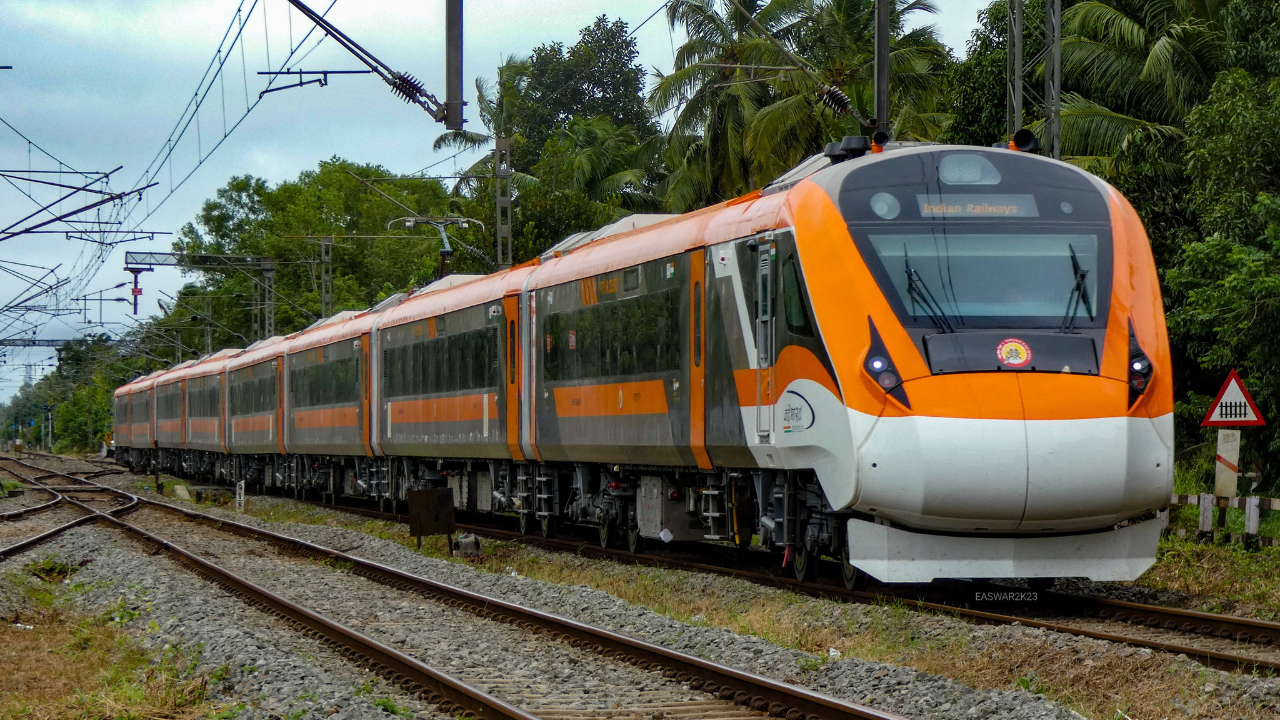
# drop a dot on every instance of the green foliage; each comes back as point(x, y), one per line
point(79, 392)
point(737, 127)
point(1253, 36)
point(389, 706)
point(370, 251)
point(975, 102)
point(598, 76)
point(1171, 102)
point(1225, 282)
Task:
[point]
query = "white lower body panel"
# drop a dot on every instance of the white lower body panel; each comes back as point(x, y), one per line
point(892, 555)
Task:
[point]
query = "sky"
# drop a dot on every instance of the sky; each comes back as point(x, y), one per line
point(101, 84)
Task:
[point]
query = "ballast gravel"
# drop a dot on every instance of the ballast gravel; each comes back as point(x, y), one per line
point(18, 529)
point(520, 667)
point(900, 690)
point(888, 687)
point(29, 498)
point(260, 667)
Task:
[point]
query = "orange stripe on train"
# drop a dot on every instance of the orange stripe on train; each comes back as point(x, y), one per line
point(461, 408)
point(645, 397)
point(794, 363)
point(254, 423)
point(207, 426)
point(326, 418)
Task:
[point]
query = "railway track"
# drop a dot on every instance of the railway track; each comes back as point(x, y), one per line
point(687, 686)
point(1221, 641)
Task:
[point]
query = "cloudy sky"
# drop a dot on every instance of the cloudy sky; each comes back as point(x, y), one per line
point(100, 84)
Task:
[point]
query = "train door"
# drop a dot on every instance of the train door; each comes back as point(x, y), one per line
point(697, 359)
point(766, 253)
point(278, 364)
point(512, 376)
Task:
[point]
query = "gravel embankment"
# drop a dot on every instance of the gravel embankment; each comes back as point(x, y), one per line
point(888, 687)
point(257, 661)
point(523, 668)
point(19, 529)
point(29, 498)
point(893, 688)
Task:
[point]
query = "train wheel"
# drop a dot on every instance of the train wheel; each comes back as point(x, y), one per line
point(635, 542)
point(607, 531)
point(526, 525)
point(548, 527)
point(854, 579)
point(805, 564)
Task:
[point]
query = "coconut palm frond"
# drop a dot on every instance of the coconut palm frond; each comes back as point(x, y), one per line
point(1092, 130)
point(1105, 23)
point(462, 139)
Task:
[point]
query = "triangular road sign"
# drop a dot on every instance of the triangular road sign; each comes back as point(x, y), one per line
point(1233, 407)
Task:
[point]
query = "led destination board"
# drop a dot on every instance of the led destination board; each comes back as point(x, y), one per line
point(973, 206)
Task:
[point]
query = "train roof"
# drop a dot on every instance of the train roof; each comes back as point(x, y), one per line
point(265, 349)
point(474, 291)
point(207, 365)
point(146, 382)
point(736, 218)
point(630, 241)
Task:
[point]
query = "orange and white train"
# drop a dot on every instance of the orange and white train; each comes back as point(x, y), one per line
point(928, 362)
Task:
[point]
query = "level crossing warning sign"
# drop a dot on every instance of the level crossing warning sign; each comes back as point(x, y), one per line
point(1233, 407)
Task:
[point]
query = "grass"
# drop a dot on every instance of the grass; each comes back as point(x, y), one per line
point(60, 665)
point(1138, 685)
point(1219, 576)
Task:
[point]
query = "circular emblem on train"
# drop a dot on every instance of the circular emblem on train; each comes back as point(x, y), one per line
point(1013, 352)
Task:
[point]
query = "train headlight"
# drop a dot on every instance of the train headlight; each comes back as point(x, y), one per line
point(879, 367)
point(1140, 368)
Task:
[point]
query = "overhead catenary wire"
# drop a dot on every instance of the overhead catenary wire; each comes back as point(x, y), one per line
point(216, 66)
point(93, 254)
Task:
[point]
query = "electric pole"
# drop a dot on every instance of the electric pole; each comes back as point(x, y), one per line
point(502, 191)
point(883, 8)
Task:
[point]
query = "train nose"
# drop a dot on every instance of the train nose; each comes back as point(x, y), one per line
point(950, 467)
point(1089, 464)
point(971, 459)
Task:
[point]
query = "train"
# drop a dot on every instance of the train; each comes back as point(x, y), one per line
point(924, 361)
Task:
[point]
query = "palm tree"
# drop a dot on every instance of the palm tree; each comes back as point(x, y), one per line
point(1145, 65)
point(837, 38)
point(745, 112)
point(715, 91)
point(608, 164)
point(499, 107)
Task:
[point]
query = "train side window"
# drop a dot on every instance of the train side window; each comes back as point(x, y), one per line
point(697, 324)
point(793, 307)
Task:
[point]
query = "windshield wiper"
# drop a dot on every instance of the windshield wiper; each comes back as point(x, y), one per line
point(1079, 293)
point(919, 293)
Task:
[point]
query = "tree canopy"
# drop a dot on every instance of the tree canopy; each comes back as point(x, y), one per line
point(1174, 103)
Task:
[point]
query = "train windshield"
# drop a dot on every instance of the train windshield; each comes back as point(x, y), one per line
point(967, 275)
point(982, 239)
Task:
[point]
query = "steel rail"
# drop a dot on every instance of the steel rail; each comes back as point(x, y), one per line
point(31, 542)
point(444, 691)
point(1185, 621)
point(23, 512)
point(729, 684)
point(1173, 619)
